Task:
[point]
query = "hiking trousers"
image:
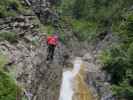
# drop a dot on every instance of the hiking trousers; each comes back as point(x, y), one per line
point(50, 51)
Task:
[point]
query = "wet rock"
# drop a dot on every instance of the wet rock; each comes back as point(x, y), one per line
point(97, 79)
point(87, 57)
point(19, 19)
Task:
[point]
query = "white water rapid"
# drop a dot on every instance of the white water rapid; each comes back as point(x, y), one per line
point(67, 89)
point(73, 86)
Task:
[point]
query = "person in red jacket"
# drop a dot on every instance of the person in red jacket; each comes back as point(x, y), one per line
point(52, 42)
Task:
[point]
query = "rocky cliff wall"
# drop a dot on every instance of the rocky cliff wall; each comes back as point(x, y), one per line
point(39, 80)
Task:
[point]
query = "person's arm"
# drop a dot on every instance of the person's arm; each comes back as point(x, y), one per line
point(47, 39)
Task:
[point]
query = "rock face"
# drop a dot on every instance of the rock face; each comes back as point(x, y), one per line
point(40, 80)
point(97, 79)
point(43, 9)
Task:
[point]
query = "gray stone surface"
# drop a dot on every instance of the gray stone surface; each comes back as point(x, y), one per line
point(39, 79)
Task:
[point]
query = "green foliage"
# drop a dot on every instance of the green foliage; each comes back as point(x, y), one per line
point(95, 9)
point(116, 63)
point(84, 30)
point(50, 29)
point(47, 29)
point(102, 12)
point(123, 90)
point(8, 87)
point(126, 29)
point(130, 52)
point(3, 61)
point(96, 16)
point(66, 7)
point(118, 60)
point(9, 36)
point(9, 7)
point(7, 91)
point(78, 8)
point(62, 37)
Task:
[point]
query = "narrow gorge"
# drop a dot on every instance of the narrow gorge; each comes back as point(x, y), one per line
point(78, 71)
point(39, 80)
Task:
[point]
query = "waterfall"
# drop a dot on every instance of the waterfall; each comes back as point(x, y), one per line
point(67, 91)
point(66, 88)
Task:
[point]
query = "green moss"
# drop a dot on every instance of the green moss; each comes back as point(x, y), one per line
point(8, 87)
point(3, 61)
point(9, 36)
point(10, 8)
point(7, 91)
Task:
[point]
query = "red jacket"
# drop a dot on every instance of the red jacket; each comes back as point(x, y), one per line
point(52, 40)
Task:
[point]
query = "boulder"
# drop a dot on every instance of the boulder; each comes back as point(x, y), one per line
point(19, 19)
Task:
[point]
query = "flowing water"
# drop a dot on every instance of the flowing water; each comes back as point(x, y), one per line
point(73, 84)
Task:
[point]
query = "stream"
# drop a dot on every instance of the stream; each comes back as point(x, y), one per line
point(73, 85)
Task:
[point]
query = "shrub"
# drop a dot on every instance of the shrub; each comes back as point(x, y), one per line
point(115, 62)
point(130, 53)
point(123, 90)
point(7, 91)
point(9, 36)
point(66, 7)
point(118, 60)
point(84, 30)
point(50, 29)
point(8, 87)
point(9, 7)
point(118, 63)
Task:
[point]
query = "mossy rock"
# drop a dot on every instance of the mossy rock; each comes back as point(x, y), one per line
point(8, 86)
point(9, 36)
